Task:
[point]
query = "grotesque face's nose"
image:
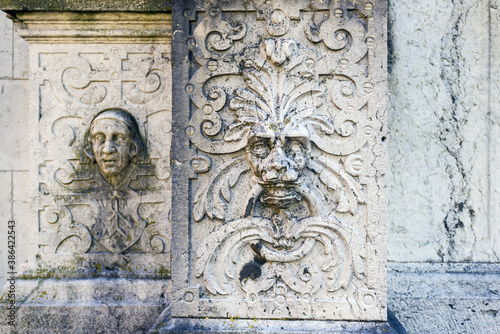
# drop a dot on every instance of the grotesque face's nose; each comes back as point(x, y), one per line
point(278, 160)
point(278, 167)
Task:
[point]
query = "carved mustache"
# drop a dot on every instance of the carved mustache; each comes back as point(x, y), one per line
point(278, 183)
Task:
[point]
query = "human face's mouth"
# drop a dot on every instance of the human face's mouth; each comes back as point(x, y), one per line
point(109, 162)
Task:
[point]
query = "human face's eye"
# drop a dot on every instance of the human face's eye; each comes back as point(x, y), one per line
point(121, 140)
point(260, 149)
point(98, 139)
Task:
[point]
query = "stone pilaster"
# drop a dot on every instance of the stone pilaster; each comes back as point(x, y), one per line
point(279, 164)
point(100, 132)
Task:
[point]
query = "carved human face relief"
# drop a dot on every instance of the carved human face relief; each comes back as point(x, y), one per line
point(277, 160)
point(113, 148)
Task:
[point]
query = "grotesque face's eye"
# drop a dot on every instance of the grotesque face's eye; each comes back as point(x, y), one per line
point(260, 149)
point(295, 148)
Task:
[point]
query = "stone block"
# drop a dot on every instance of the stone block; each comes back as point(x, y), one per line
point(446, 298)
point(279, 163)
point(87, 5)
point(6, 215)
point(20, 66)
point(96, 200)
point(85, 306)
point(102, 159)
point(6, 26)
point(254, 326)
point(14, 124)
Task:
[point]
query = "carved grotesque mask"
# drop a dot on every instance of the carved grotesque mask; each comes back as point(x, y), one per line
point(277, 159)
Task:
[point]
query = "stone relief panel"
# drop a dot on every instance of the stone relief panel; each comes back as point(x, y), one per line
point(102, 159)
point(282, 162)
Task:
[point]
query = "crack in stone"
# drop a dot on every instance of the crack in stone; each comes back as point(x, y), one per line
point(451, 137)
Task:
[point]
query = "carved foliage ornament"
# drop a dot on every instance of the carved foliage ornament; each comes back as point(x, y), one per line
point(276, 113)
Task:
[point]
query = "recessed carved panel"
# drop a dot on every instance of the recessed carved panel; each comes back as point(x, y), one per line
point(282, 112)
point(102, 157)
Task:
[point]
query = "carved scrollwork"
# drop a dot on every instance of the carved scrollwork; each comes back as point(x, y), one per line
point(67, 230)
point(64, 175)
point(153, 241)
point(278, 115)
point(351, 89)
point(59, 130)
point(216, 35)
point(148, 79)
point(342, 34)
point(82, 83)
point(252, 238)
point(102, 153)
point(224, 38)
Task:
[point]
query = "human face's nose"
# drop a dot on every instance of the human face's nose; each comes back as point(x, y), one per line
point(108, 146)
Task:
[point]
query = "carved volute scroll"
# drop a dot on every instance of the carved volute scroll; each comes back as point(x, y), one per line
point(102, 159)
point(280, 172)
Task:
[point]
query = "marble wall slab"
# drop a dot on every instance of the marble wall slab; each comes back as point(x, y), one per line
point(279, 160)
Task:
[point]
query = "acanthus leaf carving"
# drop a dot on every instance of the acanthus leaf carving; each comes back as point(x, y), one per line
point(211, 197)
point(348, 190)
point(339, 265)
point(276, 113)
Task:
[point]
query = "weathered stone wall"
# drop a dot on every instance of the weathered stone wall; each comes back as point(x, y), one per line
point(443, 180)
point(14, 128)
point(439, 133)
point(443, 186)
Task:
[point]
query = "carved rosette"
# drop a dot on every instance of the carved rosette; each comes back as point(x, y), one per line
point(283, 128)
point(103, 158)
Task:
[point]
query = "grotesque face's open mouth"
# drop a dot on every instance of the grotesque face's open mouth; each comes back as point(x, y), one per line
point(280, 196)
